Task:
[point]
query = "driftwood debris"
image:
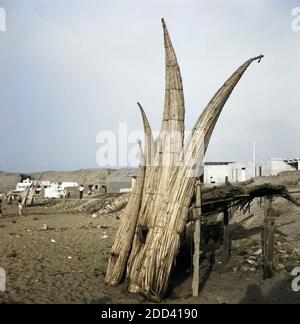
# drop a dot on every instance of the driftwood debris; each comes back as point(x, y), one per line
point(149, 236)
point(240, 195)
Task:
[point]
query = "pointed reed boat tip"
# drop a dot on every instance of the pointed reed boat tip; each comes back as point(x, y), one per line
point(141, 108)
point(258, 58)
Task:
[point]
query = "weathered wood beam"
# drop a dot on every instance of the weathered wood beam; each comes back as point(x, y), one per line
point(268, 238)
point(197, 241)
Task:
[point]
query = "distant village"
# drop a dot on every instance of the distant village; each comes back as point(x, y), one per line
point(66, 189)
point(213, 173)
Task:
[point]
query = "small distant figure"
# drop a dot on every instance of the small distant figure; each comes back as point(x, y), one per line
point(81, 190)
point(212, 180)
point(20, 206)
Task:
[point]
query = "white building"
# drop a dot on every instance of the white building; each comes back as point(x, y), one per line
point(133, 181)
point(215, 172)
point(51, 190)
point(54, 191)
point(22, 186)
point(44, 184)
point(68, 184)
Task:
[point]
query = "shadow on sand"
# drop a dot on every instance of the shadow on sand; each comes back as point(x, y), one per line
point(280, 293)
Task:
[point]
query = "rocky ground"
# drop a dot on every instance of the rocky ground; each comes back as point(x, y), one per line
point(57, 253)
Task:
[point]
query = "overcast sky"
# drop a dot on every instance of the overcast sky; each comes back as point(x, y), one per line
point(72, 68)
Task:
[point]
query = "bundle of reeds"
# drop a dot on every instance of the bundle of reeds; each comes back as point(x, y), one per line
point(165, 198)
point(154, 263)
point(123, 241)
point(169, 146)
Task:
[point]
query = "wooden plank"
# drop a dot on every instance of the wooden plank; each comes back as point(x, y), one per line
point(197, 240)
point(196, 264)
point(268, 238)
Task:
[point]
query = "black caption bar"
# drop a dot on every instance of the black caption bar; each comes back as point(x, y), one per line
point(101, 313)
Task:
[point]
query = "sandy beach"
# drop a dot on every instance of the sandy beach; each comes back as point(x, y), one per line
point(58, 252)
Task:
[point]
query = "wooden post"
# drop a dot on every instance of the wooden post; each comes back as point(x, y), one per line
point(268, 237)
point(226, 237)
point(1, 206)
point(197, 240)
point(226, 181)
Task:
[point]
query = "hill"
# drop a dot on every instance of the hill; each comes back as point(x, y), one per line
point(113, 178)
